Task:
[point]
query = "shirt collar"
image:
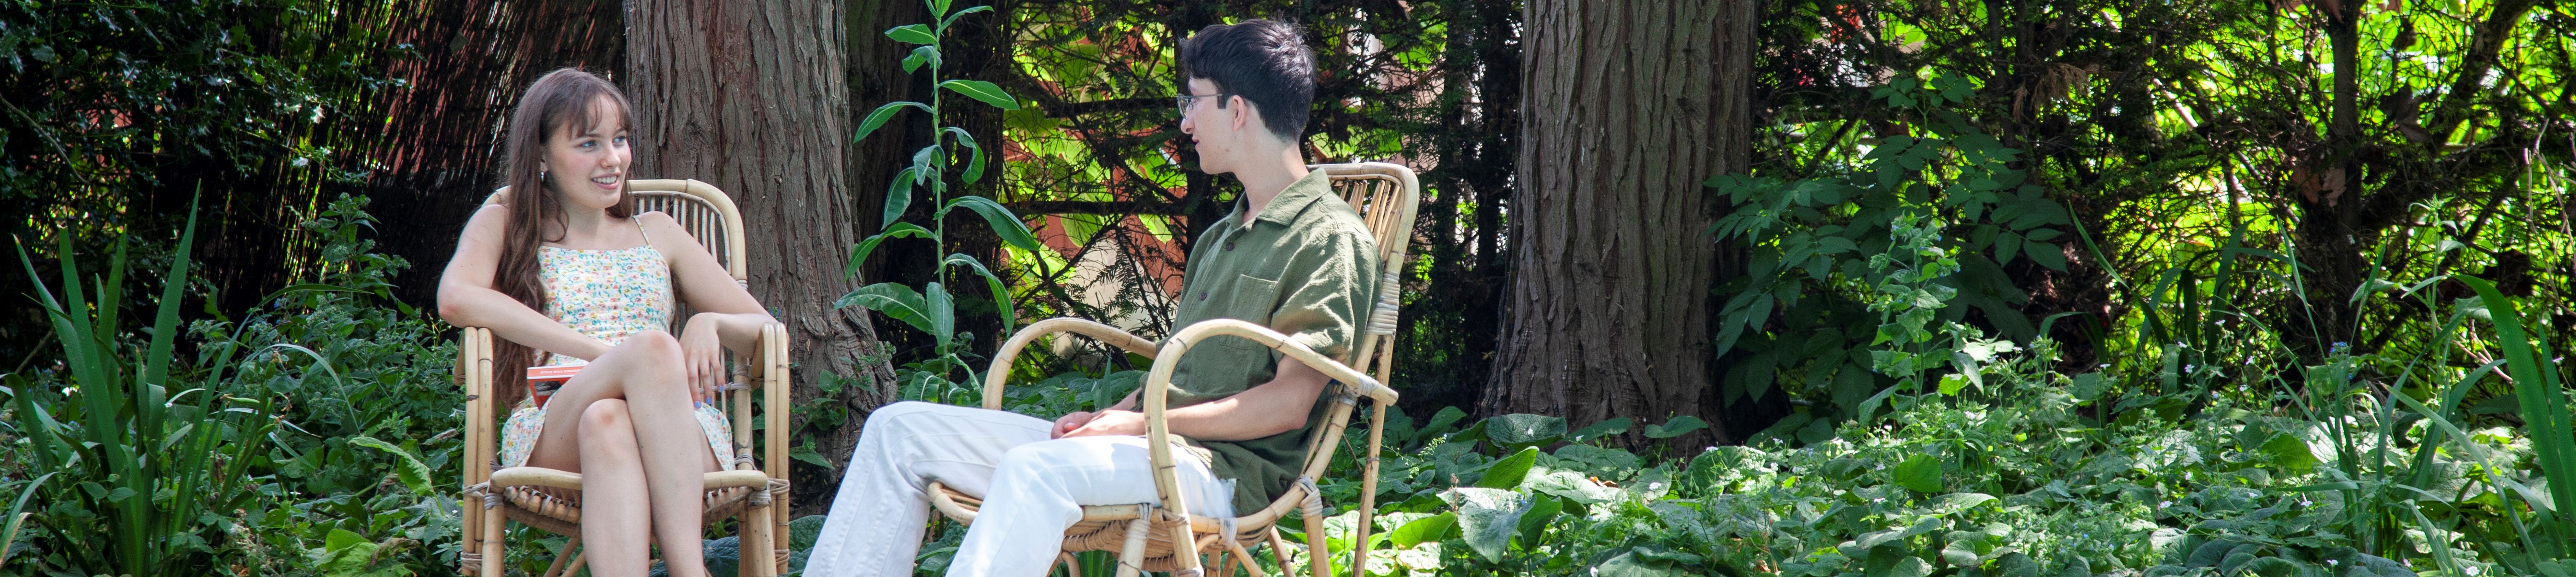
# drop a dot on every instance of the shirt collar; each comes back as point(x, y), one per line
point(1284, 208)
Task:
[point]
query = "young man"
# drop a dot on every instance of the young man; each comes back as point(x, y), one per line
point(1292, 257)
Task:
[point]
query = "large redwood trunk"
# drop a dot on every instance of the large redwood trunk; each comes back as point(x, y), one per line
point(751, 97)
point(1628, 107)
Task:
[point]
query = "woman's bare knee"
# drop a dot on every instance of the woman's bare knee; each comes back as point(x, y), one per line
point(607, 417)
point(656, 342)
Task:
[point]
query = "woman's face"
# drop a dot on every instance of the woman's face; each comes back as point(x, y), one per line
point(589, 168)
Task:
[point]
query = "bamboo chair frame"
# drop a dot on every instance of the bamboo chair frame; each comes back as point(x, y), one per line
point(1170, 538)
point(549, 499)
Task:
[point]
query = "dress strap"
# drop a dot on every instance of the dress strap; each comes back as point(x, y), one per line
point(639, 229)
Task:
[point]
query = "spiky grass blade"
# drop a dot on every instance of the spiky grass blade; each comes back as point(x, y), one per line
point(2544, 405)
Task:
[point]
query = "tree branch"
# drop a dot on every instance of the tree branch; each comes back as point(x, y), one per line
point(1059, 108)
point(2481, 59)
point(1112, 207)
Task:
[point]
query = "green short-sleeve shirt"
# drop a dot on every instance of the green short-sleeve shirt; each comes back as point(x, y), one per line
point(1302, 267)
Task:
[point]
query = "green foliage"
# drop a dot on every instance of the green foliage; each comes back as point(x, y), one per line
point(931, 309)
point(139, 459)
point(1919, 231)
point(237, 457)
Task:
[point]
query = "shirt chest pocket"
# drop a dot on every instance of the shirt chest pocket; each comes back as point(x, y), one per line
point(1243, 297)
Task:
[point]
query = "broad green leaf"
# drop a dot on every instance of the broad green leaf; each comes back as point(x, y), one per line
point(859, 252)
point(1005, 224)
point(1614, 463)
point(342, 539)
point(407, 468)
point(974, 166)
point(1534, 522)
point(912, 34)
point(898, 197)
point(1487, 518)
point(878, 117)
point(922, 55)
point(1922, 473)
point(943, 313)
point(1507, 473)
point(1524, 429)
point(2290, 454)
point(1423, 530)
point(1001, 292)
point(2047, 255)
point(1956, 502)
point(1572, 486)
point(1630, 565)
point(927, 165)
point(1674, 428)
point(984, 91)
point(899, 302)
point(1600, 429)
point(951, 20)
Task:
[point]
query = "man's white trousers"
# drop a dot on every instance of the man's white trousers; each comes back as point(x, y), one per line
point(1033, 489)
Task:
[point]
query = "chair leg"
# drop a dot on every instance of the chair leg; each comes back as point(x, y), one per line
point(1236, 551)
point(1072, 566)
point(471, 561)
point(1131, 556)
point(579, 559)
point(556, 569)
point(492, 549)
point(755, 542)
point(1279, 549)
point(1317, 555)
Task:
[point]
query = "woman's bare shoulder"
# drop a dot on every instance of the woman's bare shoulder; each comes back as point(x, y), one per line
point(661, 224)
point(490, 219)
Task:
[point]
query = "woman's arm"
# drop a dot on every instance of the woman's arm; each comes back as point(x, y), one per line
point(728, 317)
point(466, 296)
point(730, 311)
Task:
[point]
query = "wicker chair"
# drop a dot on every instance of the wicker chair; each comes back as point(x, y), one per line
point(1156, 539)
point(549, 499)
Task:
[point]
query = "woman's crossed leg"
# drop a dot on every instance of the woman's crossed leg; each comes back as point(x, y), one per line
point(626, 423)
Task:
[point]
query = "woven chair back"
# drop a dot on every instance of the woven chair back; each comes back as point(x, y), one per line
point(703, 210)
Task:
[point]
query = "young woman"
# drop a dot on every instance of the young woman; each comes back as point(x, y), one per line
point(567, 273)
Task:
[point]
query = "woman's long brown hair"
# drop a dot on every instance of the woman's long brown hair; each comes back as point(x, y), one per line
point(565, 97)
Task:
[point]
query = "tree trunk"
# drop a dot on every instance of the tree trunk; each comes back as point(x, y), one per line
point(1628, 107)
point(751, 97)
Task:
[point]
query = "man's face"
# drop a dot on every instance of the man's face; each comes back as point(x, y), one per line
point(1216, 132)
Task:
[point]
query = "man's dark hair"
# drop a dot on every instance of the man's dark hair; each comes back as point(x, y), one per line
point(1264, 61)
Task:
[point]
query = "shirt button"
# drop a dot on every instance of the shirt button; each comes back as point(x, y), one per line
point(1229, 245)
point(1202, 295)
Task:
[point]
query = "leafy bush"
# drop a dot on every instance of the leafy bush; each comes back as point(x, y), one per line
point(283, 411)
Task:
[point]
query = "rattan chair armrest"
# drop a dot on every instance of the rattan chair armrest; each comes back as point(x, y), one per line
point(1000, 370)
point(1158, 384)
point(544, 477)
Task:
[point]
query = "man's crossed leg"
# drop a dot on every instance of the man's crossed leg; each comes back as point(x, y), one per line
point(1033, 489)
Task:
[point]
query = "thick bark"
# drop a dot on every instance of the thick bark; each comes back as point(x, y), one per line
point(1628, 107)
point(751, 97)
point(443, 149)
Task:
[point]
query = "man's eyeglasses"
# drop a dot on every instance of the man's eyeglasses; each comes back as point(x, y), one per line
point(1182, 102)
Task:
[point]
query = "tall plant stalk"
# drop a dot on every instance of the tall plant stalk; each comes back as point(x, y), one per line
point(930, 309)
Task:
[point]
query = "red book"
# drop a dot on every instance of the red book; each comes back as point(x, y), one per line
point(552, 376)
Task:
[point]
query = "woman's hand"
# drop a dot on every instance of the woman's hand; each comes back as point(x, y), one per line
point(702, 352)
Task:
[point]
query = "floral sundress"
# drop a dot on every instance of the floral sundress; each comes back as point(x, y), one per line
point(609, 295)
